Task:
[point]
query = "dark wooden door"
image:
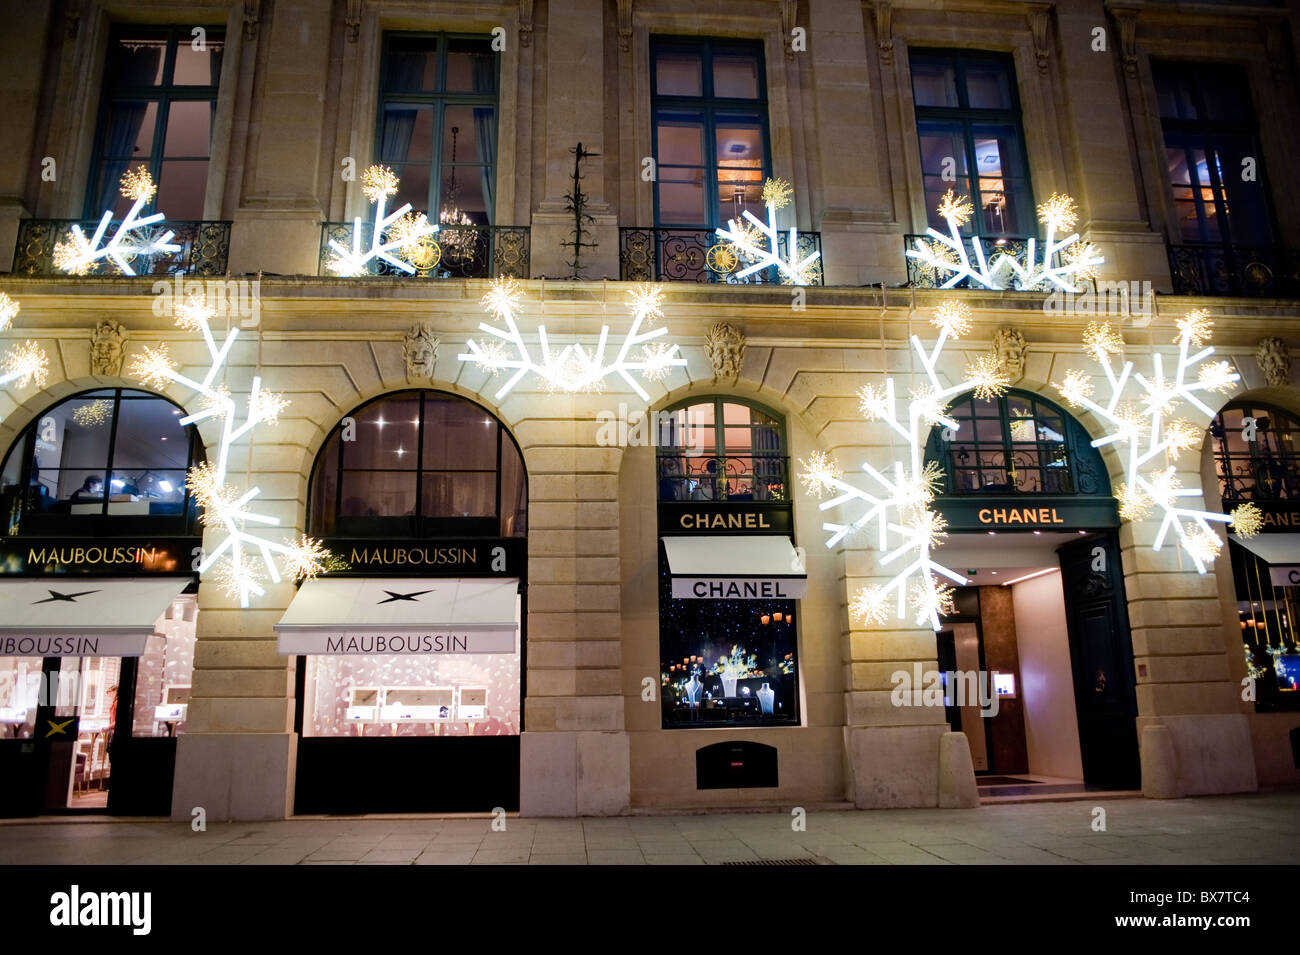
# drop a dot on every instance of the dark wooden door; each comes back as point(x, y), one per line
point(1101, 657)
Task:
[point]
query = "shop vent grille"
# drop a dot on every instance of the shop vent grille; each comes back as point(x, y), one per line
point(802, 861)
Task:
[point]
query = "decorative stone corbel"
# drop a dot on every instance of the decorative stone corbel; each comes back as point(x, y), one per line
point(1274, 362)
point(725, 346)
point(252, 18)
point(1126, 25)
point(420, 351)
point(525, 22)
point(625, 25)
point(884, 13)
point(72, 17)
point(107, 348)
point(789, 13)
point(1039, 22)
point(1010, 346)
point(353, 20)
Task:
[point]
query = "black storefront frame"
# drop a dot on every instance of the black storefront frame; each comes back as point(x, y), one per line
point(386, 773)
point(780, 521)
point(143, 768)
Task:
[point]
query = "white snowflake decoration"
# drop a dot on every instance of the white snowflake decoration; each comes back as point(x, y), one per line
point(226, 507)
point(1148, 427)
point(947, 253)
point(26, 364)
point(378, 183)
point(79, 255)
point(906, 528)
point(793, 270)
point(572, 368)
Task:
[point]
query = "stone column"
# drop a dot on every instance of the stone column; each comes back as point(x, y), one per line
point(1194, 738)
point(572, 50)
point(238, 756)
point(1098, 148)
point(574, 757)
point(861, 242)
point(277, 223)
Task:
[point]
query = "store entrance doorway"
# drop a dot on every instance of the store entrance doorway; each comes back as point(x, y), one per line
point(1045, 624)
point(75, 723)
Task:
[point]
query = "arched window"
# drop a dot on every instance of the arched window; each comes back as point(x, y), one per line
point(110, 461)
point(1256, 453)
point(721, 449)
point(419, 463)
point(1017, 443)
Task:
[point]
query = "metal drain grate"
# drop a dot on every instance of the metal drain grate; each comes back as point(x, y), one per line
point(803, 861)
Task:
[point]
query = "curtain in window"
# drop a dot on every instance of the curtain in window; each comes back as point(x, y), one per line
point(125, 120)
point(485, 128)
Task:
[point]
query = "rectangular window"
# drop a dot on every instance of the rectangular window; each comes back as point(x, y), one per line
point(438, 124)
point(709, 109)
point(160, 98)
point(1210, 140)
point(968, 121)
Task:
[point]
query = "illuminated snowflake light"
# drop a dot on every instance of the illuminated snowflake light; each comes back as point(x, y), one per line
point(948, 253)
point(243, 560)
point(1247, 520)
point(378, 183)
point(1147, 429)
point(79, 255)
point(907, 529)
point(8, 311)
point(764, 251)
point(573, 368)
point(25, 365)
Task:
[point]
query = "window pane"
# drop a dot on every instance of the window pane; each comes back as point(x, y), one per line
point(181, 186)
point(387, 435)
point(149, 436)
point(680, 140)
point(458, 436)
point(934, 83)
point(189, 129)
point(411, 64)
point(20, 693)
point(413, 186)
point(463, 494)
point(460, 138)
point(165, 672)
point(471, 66)
point(198, 68)
point(136, 61)
point(681, 196)
point(735, 76)
point(740, 144)
point(943, 149)
point(678, 74)
point(378, 494)
point(406, 134)
point(514, 490)
point(988, 86)
point(129, 131)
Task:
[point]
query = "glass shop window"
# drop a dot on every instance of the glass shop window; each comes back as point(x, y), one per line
point(419, 464)
point(165, 673)
point(160, 97)
point(720, 450)
point(107, 461)
point(21, 688)
point(438, 124)
point(709, 108)
point(1012, 444)
point(968, 120)
point(414, 695)
point(1267, 615)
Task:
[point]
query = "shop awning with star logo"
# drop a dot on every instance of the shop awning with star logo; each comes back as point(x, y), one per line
point(379, 616)
point(82, 616)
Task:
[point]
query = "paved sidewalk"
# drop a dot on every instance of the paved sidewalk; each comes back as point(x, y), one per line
point(1262, 828)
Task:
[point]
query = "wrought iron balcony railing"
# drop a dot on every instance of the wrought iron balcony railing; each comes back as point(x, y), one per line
point(698, 255)
point(205, 248)
point(464, 252)
point(1235, 271)
point(920, 275)
point(684, 476)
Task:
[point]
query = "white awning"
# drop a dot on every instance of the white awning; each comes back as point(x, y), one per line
point(381, 616)
point(82, 616)
point(735, 567)
point(1280, 551)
